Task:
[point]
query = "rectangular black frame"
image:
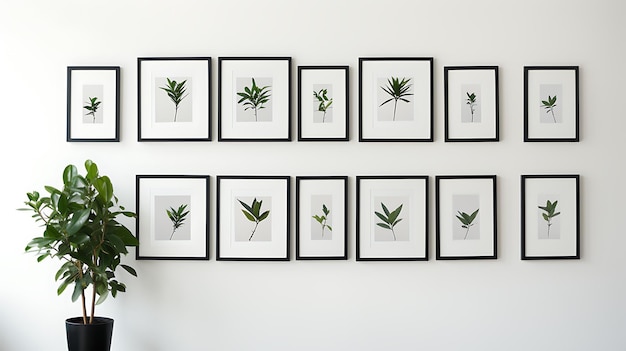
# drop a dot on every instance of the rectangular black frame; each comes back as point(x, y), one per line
point(272, 130)
point(391, 192)
point(389, 65)
point(198, 127)
point(478, 135)
point(303, 134)
point(343, 239)
point(276, 185)
point(473, 249)
point(571, 201)
point(102, 131)
point(568, 128)
point(172, 188)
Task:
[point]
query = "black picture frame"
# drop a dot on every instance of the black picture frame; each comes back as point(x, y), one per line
point(169, 206)
point(236, 229)
point(335, 81)
point(541, 122)
point(456, 198)
point(545, 198)
point(373, 239)
point(270, 122)
point(188, 99)
point(416, 120)
point(480, 85)
point(85, 84)
point(332, 193)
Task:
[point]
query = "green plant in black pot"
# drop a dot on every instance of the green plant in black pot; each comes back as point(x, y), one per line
point(80, 228)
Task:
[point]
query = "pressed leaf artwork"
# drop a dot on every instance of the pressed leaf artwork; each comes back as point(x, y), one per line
point(322, 219)
point(549, 105)
point(467, 221)
point(177, 217)
point(254, 98)
point(253, 213)
point(389, 218)
point(548, 213)
point(397, 89)
point(471, 102)
point(177, 92)
point(92, 107)
point(323, 102)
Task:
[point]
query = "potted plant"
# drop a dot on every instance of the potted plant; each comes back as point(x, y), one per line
point(81, 230)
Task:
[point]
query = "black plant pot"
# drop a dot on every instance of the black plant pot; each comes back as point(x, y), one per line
point(89, 337)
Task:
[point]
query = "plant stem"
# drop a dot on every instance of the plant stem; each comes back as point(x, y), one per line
point(94, 118)
point(466, 232)
point(552, 111)
point(175, 113)
point(549, 224)
point(253, 230)
point(82, 293)
point(394, 234)
point(395, 105)
point(256, 119)
point(173, 231)
point(324, 117)
point(93, 298)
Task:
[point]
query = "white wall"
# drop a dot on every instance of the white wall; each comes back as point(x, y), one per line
point(504, 304)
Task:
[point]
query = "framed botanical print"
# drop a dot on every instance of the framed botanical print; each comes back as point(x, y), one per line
point(93, 103)
point(396, 99)
point(253, 218)
point(254, 99)
point(174, 98)
point(551, 102)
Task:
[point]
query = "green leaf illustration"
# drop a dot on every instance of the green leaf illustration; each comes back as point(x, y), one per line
point(324, 102)
point(467, 220)
point(549, 105)
point(323, 219)
point(254, 98)
point(253, 213)
point(176, 92)
point(549, 212)
point(93, 106)
point(398, 90)
point(389, 219)
point(471, 101)
point(177, 217)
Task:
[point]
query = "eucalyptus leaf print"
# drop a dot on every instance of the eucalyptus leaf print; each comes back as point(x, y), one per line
point(324, 102)
point(323, 219)
point(549, 212)
point(252, 212)
point(398, 90)
point(467, 220)
point(177, 92)
point(92, 107)
point(389, 218)
point(177, 217)
point(254, 98)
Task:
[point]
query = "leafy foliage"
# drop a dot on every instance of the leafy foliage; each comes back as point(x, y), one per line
point(176, 92)
point(467, 220)
point(389, 219)
point(93, 106)
point(253, 213)
point(549, 213)
point(177, 217)
point(471, 101)
point(324, 100)
point(81, 230)
point(323, 219)
point(398, 90)
point(254, 97)
point(549, 105)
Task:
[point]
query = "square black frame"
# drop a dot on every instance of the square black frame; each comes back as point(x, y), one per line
point(426, 83)
point(200, 130)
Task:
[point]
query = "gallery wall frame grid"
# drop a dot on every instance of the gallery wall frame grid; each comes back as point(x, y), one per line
point(551, 104)
point(253, 218)
point(172, 217)
point(174, 99)
point(93, 104)
point(321, 218)
point(471, 104)
point(550, 216)
point(392, 221)
point(323, 115)
point(396, 99)
point(254, 98)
